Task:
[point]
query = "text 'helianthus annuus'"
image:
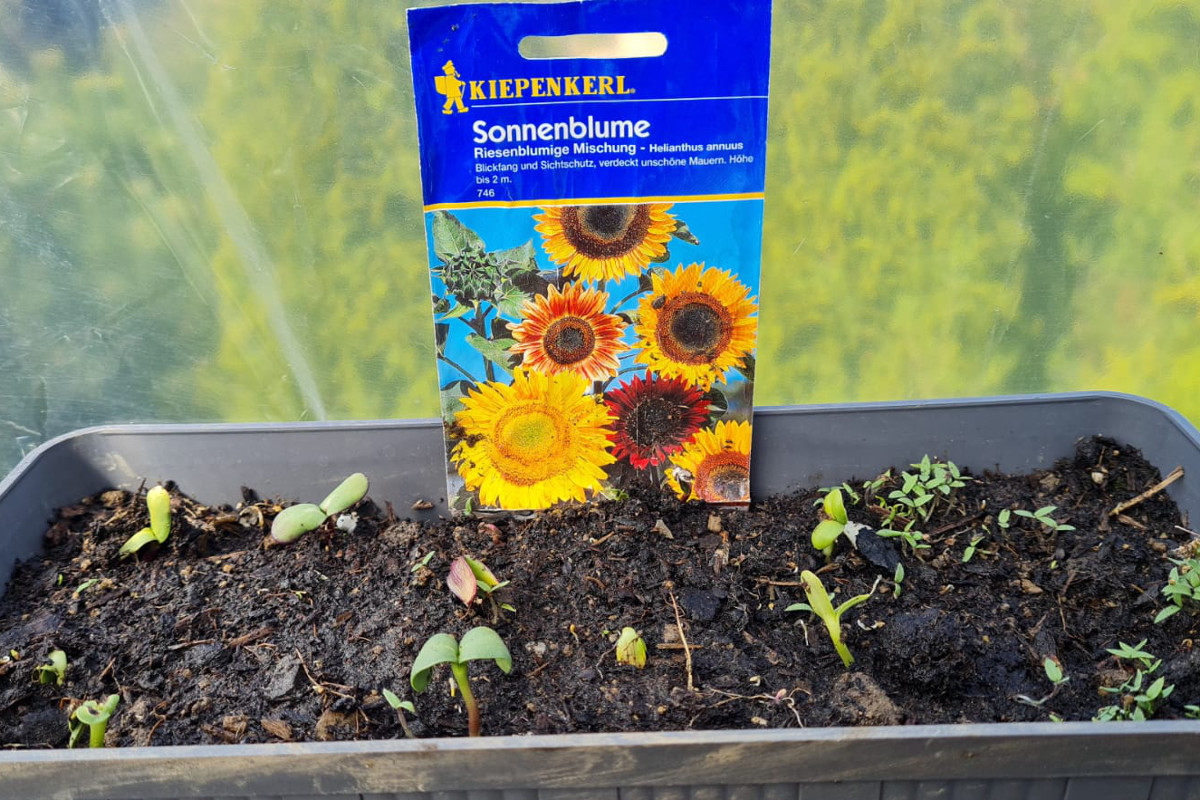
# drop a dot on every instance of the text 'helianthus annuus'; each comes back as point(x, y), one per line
point(695, 324)
point(654, 418)
point(534, 442)
point(568, 331)
point(718, 463)
point(605, 242)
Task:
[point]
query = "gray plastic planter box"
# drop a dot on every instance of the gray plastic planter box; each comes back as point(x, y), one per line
point(793, 447)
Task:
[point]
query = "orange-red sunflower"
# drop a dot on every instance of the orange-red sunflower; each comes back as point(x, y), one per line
point(717, 464)
point(568, 331)
point(655, 417)
point(605, 242)
point(695, 324)
point(533, 442)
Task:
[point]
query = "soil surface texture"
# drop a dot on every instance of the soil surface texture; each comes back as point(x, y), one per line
point(214, 639)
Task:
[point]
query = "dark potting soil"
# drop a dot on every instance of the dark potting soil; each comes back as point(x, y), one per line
point(214, 639)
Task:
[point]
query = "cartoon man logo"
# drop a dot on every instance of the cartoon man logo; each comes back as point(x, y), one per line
point(451, 85)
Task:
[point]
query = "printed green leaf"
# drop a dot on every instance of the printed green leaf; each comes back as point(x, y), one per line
point(495, 351)
point(510, 300)
point(517, 259)
point(682, 231)
point(452, 239)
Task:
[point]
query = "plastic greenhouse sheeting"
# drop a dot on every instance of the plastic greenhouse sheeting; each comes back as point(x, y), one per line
point(211, 211)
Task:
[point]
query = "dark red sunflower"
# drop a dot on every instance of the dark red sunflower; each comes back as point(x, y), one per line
point(655, 417)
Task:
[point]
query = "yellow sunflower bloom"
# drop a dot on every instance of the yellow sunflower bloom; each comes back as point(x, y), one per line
point(534, 442)
point(568, 331)
point(605, 242)
point(717, 463)
point(695, 324)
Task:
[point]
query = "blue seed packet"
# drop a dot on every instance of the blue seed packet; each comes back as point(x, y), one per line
point(593, 178)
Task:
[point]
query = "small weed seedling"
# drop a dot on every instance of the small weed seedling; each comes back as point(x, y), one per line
point(400, 706)
point(820, 604)
point(913, 539)
point(94, 716)
point(969, 552)
point(1182, 587)
point(158, 502)
point(55, 672)
point(468, 577)
point(631, 648)
point(1043, 515)
point(478, 644)
point(295, 521)
point(1055, 675)
point(920, 491)
point(897, 579)
point(1136, 703)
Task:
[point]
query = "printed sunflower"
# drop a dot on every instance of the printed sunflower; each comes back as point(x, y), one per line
point(605, 242)
point(568, 331)
point(696, 324)
point(716, 463)
point(655, 417)
point(532, 443)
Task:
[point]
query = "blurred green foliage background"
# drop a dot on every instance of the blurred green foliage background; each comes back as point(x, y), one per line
point(211, 210)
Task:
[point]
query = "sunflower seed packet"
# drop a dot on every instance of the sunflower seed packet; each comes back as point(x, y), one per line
point(593, 178)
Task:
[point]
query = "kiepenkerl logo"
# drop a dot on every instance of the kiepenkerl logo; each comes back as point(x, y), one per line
point(451, 85)
point(455, 89)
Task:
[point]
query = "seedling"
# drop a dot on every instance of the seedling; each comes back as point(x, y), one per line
point(969, 552)
point(158, 502)
point(295, 521)
point(55, 672)
point(1136, 703)
point(400, 706)
point(631, 648)
point(94, 716)
point(897, 579)
point(830, 528)
point(1043, 515)
point(468, 577)
point(820, 604)
point(920, 491)
point(478, 644)
point(424, 562)
point(1182, 587)
point(1055, 675)
point(912, 538)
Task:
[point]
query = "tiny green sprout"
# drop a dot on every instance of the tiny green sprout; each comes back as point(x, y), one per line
point(295, 521)
point(1182, 588)
point(478, 644)
point(829, 529)
point(1002, 519)
point(631, 648)
point(1044, 516)
point(820, 604)
point(158, 502)
point(83, 587)
point(1055, 675)
point(468, 577)
point(1135, 653)
point(969, 552)
point(400, 706)
point(424, 562)
point(1135, 703)
point(54, 672)
point(897, 579)
point(94, 716)
point(1191, 711)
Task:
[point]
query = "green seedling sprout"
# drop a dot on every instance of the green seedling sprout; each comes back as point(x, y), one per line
point(829, 529)
point(468, 577)
point(1056, 677)
point(94, 716)
point(158, 502)
point(1136, 703)
point(400, 706)
point(478, 644)
point(295, 521)
point(631, 648)
point(55, 672)
point(820, 604)
point(1182, 587)
point(1043, 515)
